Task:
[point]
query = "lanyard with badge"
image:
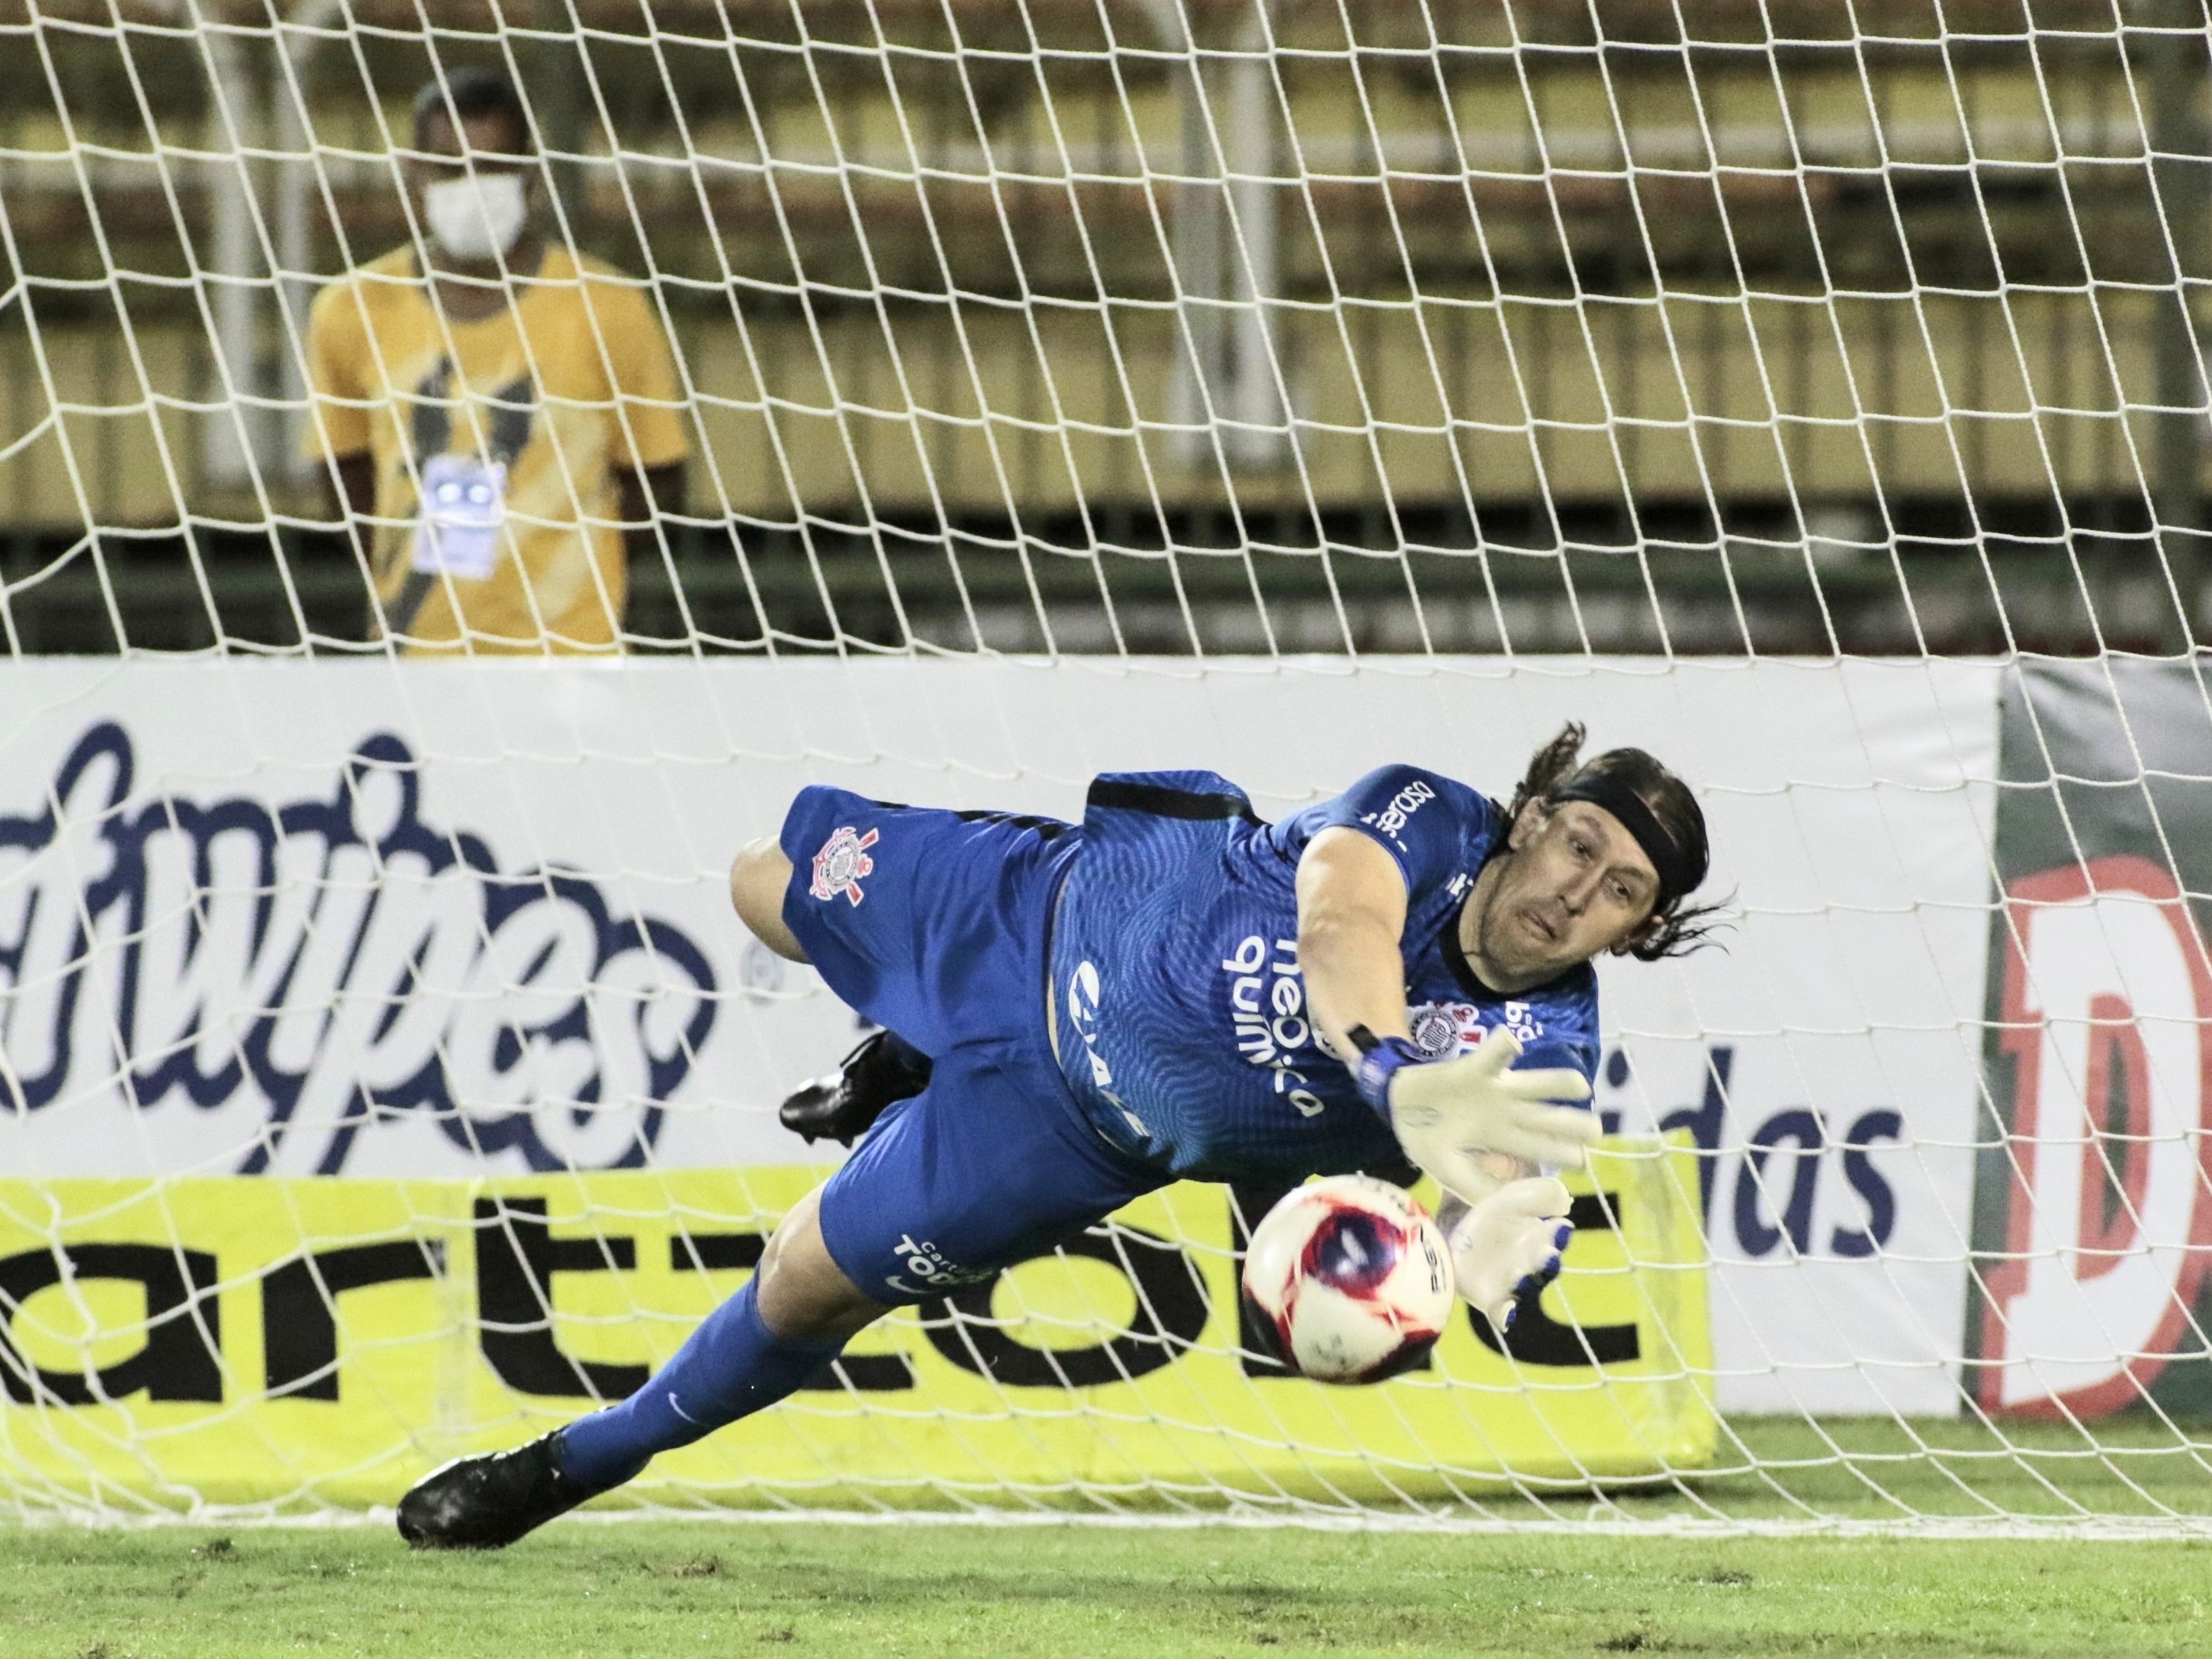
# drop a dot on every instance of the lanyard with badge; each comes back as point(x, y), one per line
point(463, 519)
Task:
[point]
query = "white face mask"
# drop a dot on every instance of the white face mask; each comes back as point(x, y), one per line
point(474, 217)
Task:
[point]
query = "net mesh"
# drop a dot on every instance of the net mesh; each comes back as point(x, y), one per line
point(952, 400)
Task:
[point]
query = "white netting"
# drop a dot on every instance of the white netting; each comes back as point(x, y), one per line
point(1060, 387)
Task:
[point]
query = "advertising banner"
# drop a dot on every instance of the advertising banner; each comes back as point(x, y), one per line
point(2093, 1216)
point(470, 921)
point(327, 1341)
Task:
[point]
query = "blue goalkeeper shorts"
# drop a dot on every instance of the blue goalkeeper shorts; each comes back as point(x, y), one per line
point(934, 924)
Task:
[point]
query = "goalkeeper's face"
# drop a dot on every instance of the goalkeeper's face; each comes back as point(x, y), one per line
point(1575, 886)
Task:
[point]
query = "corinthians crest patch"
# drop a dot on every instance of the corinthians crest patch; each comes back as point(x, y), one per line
point(1442, 1029)
point(840, 864)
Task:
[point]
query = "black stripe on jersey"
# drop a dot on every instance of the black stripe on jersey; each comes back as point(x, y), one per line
point(1044, 829)
point(1163, 803)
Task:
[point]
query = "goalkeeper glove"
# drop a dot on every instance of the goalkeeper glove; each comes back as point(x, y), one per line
point(1447, 1113)
point(1508, 1245)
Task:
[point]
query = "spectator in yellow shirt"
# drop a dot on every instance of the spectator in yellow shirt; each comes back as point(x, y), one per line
point(492, 423)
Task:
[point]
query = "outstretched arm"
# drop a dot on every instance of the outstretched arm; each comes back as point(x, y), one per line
point(1478, 1128)
point(1454, 1118)
point(1351, 916)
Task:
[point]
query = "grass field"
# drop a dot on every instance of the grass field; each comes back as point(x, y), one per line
point(716, 1589)
point(674, 1588)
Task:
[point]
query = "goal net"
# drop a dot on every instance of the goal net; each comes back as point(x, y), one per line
point(439, 532)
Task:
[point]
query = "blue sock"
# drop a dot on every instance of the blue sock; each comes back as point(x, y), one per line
point(733, 1366)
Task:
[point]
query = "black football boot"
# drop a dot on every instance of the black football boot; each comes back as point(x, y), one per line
point(488, 1501)
point(883, 1067)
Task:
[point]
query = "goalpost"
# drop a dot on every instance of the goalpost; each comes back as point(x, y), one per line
point(1810, 393)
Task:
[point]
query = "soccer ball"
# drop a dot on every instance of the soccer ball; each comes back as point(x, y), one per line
point(1353, 1277)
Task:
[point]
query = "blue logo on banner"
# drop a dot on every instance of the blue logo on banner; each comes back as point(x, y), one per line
point(342, 959)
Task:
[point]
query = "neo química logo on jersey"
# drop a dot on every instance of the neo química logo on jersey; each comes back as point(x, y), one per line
point(1268, 1011)
point(299, 974)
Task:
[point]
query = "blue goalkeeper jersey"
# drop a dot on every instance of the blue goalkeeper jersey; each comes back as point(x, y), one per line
point(1180, 1013)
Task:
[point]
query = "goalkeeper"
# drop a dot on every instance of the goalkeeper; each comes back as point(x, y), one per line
point(1170, 990)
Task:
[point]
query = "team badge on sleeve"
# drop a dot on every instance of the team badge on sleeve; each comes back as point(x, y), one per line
point(840, 864)
point(1442, 1029)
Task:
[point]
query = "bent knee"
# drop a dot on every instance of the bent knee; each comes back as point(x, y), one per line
point(758, 877)
point(804, 1295)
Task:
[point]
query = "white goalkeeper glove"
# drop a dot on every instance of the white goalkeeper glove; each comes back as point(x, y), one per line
point(1447, 1113)
point(1508, 1245)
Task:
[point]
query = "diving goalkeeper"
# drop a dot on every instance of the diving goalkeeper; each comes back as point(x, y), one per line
point(1171, 989)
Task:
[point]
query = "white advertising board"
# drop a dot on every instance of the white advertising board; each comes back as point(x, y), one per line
point(394, 919)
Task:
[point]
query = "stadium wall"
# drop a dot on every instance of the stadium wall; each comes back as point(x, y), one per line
point(1773, 408)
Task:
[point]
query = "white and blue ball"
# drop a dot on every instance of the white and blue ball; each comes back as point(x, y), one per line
point(1353, 1277)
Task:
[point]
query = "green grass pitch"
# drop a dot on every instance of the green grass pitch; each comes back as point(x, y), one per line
point(665, 1589)
point(669, 1589)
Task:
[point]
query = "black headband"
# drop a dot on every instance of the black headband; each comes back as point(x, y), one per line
point(1681, 868)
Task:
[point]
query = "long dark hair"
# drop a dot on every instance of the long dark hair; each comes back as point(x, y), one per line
point(1676, 927)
